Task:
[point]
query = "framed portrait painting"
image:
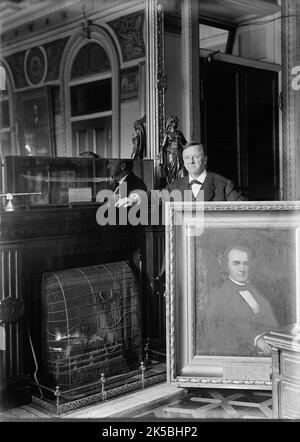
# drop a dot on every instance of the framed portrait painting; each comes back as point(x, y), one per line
point(37, 124)
point(232, 276)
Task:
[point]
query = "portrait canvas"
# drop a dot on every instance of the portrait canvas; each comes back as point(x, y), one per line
point(233, 307)
point(37, 139)
point(232, 276)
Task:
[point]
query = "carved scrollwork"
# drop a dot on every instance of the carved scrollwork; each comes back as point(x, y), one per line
point(10, 310)
point(54, 51)
point(35, 65)
point(129, 31)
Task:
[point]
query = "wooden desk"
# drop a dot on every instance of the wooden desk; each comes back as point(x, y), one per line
point(286, 371)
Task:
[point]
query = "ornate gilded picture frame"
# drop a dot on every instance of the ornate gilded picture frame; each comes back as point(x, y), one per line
point(232, 275)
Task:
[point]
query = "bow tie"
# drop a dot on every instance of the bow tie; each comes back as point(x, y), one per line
point(196, 182)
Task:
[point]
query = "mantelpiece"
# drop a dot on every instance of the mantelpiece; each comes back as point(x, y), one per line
point(35, 241)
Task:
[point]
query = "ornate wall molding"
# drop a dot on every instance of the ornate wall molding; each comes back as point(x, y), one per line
point(129, 32)
point(75, 43)
point(215, 382)
point(12, 99)
point(11, 307)
point(54, 51)
point(170, 296)
point(92, 59)
point(10, 310)
point(155, 84)
point(288, 48)
point(16, 64)
point(161, 77)
point(35, 65)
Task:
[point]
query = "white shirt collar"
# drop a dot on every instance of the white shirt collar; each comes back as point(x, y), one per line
point(200, 178)
point(238, 283)
point(123, 179)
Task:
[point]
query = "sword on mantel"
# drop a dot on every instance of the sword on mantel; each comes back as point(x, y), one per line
point(47, 179)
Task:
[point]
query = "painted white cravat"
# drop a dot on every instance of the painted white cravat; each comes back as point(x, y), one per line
point(246, 295)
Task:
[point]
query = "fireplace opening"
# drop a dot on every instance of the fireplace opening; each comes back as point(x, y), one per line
point(91, 335)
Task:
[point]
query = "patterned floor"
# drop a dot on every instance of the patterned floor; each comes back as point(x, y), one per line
point(216, 404)
point(195, 404)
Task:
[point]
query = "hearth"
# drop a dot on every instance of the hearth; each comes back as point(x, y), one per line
point(91, 337)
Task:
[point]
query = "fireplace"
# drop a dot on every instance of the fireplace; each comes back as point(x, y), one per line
point(91, 326)
point(37, 244)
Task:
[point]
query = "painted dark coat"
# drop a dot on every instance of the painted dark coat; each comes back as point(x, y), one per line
point(232, 325)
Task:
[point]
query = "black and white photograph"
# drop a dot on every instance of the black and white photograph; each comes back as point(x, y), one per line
point(149, 213)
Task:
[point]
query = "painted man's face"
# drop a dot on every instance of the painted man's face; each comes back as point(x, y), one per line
point(238, 265)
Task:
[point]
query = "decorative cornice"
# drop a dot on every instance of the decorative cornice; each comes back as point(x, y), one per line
point(37, 12)
point(64, 22)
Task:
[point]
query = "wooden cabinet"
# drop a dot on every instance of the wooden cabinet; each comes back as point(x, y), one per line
point(286, 371)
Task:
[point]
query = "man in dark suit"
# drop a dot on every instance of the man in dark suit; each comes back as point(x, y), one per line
point(121, 173)
point(215, 186)
point(237, 313)
point(122, 182)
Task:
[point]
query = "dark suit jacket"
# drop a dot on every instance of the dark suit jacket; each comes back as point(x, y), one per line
point(215, 187)
point(133, 183)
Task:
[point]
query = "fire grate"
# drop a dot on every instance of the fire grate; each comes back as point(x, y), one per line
point(91, 324)
point(58, 402)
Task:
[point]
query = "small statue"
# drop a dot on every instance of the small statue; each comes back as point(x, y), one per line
point(139, 140)
point(171, 151)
